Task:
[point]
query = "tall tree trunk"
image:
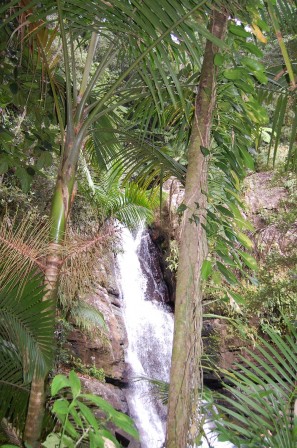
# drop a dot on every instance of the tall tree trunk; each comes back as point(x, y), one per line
point(61, 204)
point(185, 376)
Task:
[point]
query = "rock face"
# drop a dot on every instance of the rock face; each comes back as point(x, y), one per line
point(150, 257)
point(107, 350)
point(263, 199)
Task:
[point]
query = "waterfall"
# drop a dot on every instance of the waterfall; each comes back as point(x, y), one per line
point(149, 326)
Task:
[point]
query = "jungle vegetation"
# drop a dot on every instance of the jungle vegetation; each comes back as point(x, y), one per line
point(105, 101)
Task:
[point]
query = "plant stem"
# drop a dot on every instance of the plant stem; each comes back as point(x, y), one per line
point(67, 70)
point(89, 61)
point(281, 43)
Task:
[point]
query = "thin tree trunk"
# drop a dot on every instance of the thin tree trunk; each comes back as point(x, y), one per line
point(61, 204)
point(183, 424)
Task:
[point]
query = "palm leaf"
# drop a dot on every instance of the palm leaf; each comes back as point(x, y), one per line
point(263, 394)
point(14, 393)
point(26, 339)
point(87, 317)
point(23, 247)
point(27, 322)
point(81, 254)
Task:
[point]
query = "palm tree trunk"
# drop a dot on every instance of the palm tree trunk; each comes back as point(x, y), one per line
point(61, 204)
point(185, 376)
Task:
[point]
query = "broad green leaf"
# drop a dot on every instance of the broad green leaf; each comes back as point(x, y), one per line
point(216, 277)
point(249, 260)
point(124, 422)
point(96, 441)
point(236, 179)
point(3, 166)
point(237, 298)
point(181, 208)
point(205, 151)
point(248, 159)
point(5, 96)
point(5, 135)
point(88, 415)
point(61, 407)
point(234, 74)
point(261, 77)
point(24, 178)
point(76, 417)
point(229, 276)
point(245, 86)
point(238, 30)
point(109, 436)
point(59, 382)
point(228, 260)
point(75, 384)
point(206, 269)
point(9, 446)
point(54, 440)
point(44, 160)
point(68, 442)
point(244, 240)
point(100, 402)
point(225, 211)
point(71, 430)
point(253, 64)
point(119, 419)
point(219, 60)
point(252, 48)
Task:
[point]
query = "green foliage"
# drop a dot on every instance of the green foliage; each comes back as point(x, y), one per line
point(27, 130)
point(274, 299)
point(260, 407)
point(86, 317)
point(172, 259)
point(90, 370)
point(129, 203)
point(26, 343)
point(78, 424)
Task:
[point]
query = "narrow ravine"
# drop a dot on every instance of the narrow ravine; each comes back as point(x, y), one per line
point(149, 326)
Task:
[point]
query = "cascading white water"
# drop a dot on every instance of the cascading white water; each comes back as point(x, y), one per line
point(149, 326)
point(149, 329)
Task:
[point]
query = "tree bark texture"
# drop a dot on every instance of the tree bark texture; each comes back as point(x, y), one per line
point(183, 423)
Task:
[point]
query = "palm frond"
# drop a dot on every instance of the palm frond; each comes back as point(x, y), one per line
point(128, 203)
point(26, 343)
point(27, 324)
point(160, 389)
point(14, 393)
point(263, 395)
point(80, 258)
point(87, 317)
point(23, 247)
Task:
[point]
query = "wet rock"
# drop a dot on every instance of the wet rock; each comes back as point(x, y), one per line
point(105, 350)
point(149, 257)
point(114, 395)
